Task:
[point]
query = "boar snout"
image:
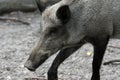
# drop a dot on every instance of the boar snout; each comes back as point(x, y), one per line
point(29, 65)
point(36, 59)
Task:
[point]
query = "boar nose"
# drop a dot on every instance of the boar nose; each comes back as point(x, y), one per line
point(29, 65)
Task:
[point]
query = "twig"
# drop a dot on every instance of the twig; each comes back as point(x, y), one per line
point(38, 79)
point(114, 47)
point(34, 79)
point(111, 62)
point(15, 20)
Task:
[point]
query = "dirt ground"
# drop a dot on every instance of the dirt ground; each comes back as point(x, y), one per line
point(17, 40)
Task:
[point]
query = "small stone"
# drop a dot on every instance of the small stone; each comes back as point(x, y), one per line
point(89, 53)
point(9, 78)
point(8, 68)
point(22, 66)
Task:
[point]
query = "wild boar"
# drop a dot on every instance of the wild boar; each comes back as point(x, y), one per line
point(69, 24)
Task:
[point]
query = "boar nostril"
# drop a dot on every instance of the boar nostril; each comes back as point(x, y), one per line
point(29, 66)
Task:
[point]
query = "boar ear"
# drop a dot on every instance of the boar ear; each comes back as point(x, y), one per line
point(63, 13)
point(41, 6)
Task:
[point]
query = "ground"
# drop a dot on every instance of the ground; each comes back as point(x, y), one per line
point(17, 41)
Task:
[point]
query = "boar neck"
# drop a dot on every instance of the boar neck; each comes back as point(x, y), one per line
point(86, 16)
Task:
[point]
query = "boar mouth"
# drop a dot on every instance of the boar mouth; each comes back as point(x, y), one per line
point(31, 69)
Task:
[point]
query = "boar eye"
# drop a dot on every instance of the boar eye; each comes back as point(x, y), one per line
point(53, 31)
